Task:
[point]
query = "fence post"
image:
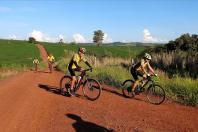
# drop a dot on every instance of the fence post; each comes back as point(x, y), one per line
point(94, 61)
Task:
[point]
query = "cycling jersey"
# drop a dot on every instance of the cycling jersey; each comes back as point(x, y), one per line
point(75, 61)
point(50, 58)
point(35, 61)
point(141, 65)
point(137, 69)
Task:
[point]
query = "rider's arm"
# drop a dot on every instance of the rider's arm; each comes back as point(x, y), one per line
point(75, 63)
point(151, 69)
point(87, 63)
point(143, 69)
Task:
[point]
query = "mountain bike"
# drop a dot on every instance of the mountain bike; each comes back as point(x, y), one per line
point(154, 92)
point(91, 88)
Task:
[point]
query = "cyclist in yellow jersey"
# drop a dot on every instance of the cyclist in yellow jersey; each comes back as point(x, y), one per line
point(50, 60)
point(140, 70)
point(74, 66)
point(36, 63)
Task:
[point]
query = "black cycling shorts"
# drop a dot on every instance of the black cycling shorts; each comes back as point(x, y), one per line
point(72, 71)
point(136, 73)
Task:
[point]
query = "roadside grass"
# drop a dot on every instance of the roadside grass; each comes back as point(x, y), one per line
point(181, 89)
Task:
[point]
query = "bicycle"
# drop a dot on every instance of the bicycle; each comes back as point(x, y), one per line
point(154, 92)
point(91, 88)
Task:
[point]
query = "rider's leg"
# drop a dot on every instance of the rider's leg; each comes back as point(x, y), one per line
point(135, 76)
point(144, 79)
point(73, 82)
point(72, 73)
point(134, 85)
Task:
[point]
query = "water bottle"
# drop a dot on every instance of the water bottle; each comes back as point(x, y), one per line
point(79, 78)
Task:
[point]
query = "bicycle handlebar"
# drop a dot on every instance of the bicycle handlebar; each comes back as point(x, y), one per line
point(90, 69)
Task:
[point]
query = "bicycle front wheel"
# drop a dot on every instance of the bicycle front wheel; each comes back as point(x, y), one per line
point(155, 94)
point(127, 88)
point(65, 84)
point(91, 89)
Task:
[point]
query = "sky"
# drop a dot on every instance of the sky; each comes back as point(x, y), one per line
point(76, 20)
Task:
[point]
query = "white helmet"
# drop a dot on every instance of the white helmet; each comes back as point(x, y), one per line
point(147, 56)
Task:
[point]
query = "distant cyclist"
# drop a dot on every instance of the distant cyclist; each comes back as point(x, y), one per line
point(140, 69)
point(50, 60)
point(74, 66)
point(36, 63)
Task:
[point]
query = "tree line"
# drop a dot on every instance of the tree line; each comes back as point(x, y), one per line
point(185, 42)
point(98, 38)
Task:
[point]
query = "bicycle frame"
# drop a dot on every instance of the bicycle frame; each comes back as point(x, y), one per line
point(82, 75)
point(148, 79)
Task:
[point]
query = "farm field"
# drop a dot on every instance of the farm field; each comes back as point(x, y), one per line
point(16, 53)
point(102, 51)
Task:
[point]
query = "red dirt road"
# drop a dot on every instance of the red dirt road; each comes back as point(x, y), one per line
point(29, 102)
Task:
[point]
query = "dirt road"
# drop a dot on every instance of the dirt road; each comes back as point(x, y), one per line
point(30, 102)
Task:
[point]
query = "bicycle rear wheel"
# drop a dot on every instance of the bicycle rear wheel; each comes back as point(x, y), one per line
point(91, 89)
point(127, 89)
point(155, 94)
point(65, 84)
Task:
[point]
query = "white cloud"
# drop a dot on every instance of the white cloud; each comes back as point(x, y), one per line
point(40, 36)
point(12, 36)
point(147, 37)
point(5, 9)
point(107, 39)
point(78, 38)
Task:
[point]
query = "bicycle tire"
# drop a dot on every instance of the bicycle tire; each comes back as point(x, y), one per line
point(64, 86)
point(155, 92)
point(88, 91)
point(126, 88)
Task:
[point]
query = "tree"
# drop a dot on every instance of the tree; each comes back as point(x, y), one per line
point(61, 41)
point(98, 37)
point(185, 42)
point(32, 40)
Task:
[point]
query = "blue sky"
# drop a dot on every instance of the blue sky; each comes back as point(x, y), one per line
point(75, 20)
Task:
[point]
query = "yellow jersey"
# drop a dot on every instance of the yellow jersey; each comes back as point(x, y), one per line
point(50, 58)
point(77, 59)
point(141, 65)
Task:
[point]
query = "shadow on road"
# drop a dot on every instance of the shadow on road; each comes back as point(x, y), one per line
point(51, 89)
point(115, 91)
point(56, 90)
point(111, 90)
point(84, 126)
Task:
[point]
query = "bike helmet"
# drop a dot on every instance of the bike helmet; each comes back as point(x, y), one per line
point(82, 50)
point(147, 56)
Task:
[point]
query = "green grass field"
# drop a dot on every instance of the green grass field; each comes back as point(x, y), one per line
point(17, 53)
point(105, 50)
